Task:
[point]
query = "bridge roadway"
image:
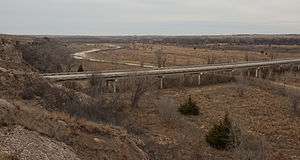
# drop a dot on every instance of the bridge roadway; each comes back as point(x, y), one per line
point(167, 71)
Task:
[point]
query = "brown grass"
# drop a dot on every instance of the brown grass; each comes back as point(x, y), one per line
point(269, 129)
point(177, 56)
point(88, 139)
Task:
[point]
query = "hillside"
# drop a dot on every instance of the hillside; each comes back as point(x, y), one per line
point(33, 125)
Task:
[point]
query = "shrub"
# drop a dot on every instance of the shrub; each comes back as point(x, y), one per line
point(80, 69)
point(189, 108)
point(221, 135)
point(28, 93)
point(34, 89)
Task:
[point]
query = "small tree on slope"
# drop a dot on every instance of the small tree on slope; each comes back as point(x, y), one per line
point(221, 136)
point(80, 68)
point(189, 108)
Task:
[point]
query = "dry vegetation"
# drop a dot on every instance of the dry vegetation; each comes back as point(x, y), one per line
point(85, 120)
point(47, 55)
point(172, 55)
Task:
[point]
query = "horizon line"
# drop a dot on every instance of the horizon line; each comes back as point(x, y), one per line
point(153, 35)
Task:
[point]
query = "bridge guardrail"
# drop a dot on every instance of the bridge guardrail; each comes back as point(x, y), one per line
point(234, 65)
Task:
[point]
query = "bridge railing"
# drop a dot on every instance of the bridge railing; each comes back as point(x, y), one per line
point(175, 67)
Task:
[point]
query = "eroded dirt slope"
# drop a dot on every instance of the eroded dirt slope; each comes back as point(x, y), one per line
point(37, 121)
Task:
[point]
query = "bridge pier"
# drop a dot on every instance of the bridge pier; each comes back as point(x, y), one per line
point(199, 79)
point(282, 71)
point(231, 72)
point(257, 72)
point(270, 72)
point(161, 82)
point(292, 68)
point(242, 73)
point(115, 81)
point(107, 83)
point(248, 73)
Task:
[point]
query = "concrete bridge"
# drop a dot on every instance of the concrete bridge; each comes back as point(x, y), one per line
point(200, 70)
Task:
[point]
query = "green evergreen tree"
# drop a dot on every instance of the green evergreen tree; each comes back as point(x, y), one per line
point(221, 135)
point(189, 108)
point(80, 68)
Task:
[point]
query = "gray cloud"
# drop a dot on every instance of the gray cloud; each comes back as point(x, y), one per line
point(172, 17)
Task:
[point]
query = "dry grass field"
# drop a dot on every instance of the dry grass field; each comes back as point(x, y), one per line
point(269, 128)
point(151, 55)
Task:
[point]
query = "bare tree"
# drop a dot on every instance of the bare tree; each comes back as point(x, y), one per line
point(142, 63)
point(69, 67)
point(241, 86)
point(139, 86)
point(96, 87)
point(47, 55)
point(272, 56)
point(211, 59)
point(246, 58)
point(160, 58)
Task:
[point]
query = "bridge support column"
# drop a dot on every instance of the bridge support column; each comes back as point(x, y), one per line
point(161, 82)
point(248, 73)
point(270, 72)
point(115, 85)
point(282, 71)
point(241, 73)
point(292, 68)
point(257, 73)
point(231, 72)
point(199, 79)
point(106, 83)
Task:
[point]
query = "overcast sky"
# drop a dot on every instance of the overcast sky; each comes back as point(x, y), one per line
point(144, 17)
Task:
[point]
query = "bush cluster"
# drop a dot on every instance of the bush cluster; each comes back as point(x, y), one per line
point(189, 108)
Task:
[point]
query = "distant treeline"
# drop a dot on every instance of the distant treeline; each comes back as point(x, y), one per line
point(193, 40)
point(290, 39)
point(235, 40)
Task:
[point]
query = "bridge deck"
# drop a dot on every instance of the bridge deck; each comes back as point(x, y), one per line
point(165, 71)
